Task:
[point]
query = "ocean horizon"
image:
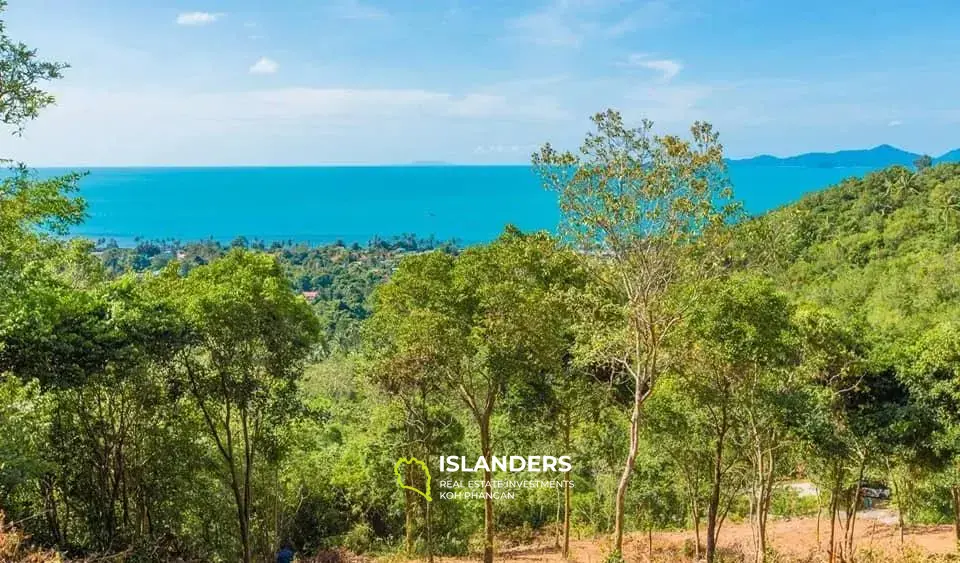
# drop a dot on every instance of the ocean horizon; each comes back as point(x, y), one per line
point(323, 204)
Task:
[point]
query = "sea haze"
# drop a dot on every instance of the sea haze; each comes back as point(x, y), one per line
point(323, 204)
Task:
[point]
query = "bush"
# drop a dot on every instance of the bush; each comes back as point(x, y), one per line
point(614, 557)
point(788, 503)
point(359, 539)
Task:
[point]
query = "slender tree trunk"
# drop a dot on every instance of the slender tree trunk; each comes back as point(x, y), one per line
point(852, 511)
point(764, 516)
point(819, 516)
point(556, 521)
point(429, 527)
point(408, 503)
point(834, 508)
point(566, 518)
point(51, 512)
point(621, 496)
point(695, 508)
point(763, 489)
point(713, 508)
point(898, 494)
point(900, 524)
point(955, 490)
point(247, 484)
point(755, 504)
point(487, 452)
point(427, 445)
point(243, 525)
point(566, 495)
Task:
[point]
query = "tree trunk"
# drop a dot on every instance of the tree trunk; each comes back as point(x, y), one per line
point(955, 490)
point(899, 495)
point(487, 452)
point(408, 511)
point(556, 521)
point(713, 508)
point(566, 518)
point(429, 527)
point(852, 508)
point(762, 490)
point(427, 445)
point(51, 512)
point(566, 495)
point(834, 507)
point(244, 530)
point(247, 484)
point(764, 516)
point(819, 516)
point(621, 496)
point(696, 527)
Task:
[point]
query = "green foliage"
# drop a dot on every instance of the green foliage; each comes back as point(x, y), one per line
point(210, 402)
point(22, 456)
point(21, 99)
point(655, 210)
point(359, 539)
point(336, 279)
point(788, 503)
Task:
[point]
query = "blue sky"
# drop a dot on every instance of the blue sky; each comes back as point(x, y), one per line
point(208, 82)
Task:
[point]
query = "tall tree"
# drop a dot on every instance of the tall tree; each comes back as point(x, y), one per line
point(645, 209)
point(427, 425)
point(934, 379)
point(479, 324)
point(21, 98)
point(30, 209)
point(252, 337)
point(738, 345)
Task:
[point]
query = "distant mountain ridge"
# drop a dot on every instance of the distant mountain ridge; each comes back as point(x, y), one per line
point(952, 156)
point(877, 157)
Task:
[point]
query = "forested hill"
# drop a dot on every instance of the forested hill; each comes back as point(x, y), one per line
point(884, 248)
point(876, 157)
point(335, 278)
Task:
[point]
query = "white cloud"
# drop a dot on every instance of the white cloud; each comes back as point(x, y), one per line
point(264, 66)
point(354, 104)
point(895, 123)
point(357, 10)
point(571, 23)
point(198, 18)
point(279, 125)
point(667, 68)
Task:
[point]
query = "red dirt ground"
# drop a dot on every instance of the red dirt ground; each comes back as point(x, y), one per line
point(794, 539)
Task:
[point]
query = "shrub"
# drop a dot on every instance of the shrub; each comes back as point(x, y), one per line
point(359, 539)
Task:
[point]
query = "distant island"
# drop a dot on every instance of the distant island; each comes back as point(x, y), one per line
point(877, 157)
point(952, 156)
point(880, 156)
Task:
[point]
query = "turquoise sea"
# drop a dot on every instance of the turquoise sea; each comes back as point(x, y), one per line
point(322, 204)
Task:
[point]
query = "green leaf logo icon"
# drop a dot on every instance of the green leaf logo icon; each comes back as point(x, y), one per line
point(416, 462)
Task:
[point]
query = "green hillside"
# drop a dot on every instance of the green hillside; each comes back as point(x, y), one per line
point(884, 249)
